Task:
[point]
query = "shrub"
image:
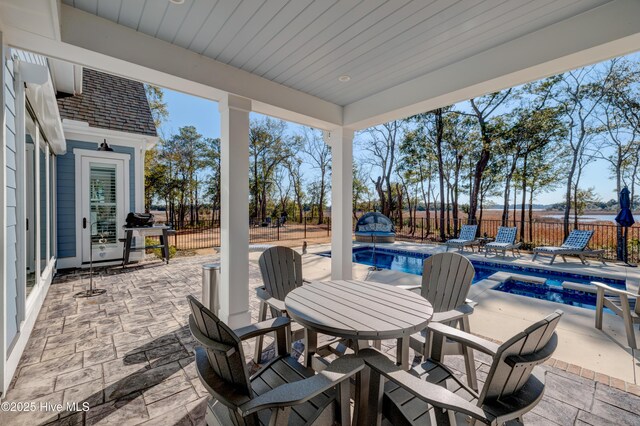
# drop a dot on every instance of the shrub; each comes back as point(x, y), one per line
point(158, 251)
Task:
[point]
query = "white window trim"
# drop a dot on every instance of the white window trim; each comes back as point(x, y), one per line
point(27, 309)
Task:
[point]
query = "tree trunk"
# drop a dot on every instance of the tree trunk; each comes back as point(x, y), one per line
point(515, 203)
point(524, 196)
point(507, 190)
point(530, 215)
point(439, 134)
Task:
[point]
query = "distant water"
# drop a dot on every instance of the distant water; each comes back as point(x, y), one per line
point(592, 218)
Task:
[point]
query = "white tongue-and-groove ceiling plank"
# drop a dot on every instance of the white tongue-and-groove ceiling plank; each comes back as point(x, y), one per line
point(403, 56)
point(307, 45)
point(599, 34)
point(94, 42)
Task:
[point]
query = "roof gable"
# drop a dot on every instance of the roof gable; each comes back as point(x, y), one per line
point(110, 102)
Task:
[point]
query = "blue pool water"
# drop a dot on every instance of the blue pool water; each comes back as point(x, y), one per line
point(411, 262)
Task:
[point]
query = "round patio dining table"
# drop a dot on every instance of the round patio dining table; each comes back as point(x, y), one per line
point(359, 311)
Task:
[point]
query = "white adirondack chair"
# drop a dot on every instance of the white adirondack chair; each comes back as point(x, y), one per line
point(281, 269)
point(446, 280)
point(623, 303)
point(282, 392)
point(431, 394)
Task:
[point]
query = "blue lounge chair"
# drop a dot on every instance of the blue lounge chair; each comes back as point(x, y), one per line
point(505, 240)
point(466, 238)
point(575, 245)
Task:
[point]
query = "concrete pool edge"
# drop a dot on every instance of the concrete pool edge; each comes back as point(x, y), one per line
point(500, 315)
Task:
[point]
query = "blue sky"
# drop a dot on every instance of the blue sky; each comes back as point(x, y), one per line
point(186, 110)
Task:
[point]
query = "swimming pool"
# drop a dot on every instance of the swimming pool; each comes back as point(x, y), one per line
point(551, 289)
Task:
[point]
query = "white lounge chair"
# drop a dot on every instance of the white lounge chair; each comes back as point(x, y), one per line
point(623, 303)
point(467, 238)
point(575, 245)
point(505, 240)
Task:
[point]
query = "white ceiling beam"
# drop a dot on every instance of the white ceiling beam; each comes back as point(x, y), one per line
point(98, 43)
point(602, 33)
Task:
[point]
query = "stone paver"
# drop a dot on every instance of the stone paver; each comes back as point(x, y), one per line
point(128, 355)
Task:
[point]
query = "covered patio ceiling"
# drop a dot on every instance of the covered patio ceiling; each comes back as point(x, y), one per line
point(285, 58)
point(402, 57)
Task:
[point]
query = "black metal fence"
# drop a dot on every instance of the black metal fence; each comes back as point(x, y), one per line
point(207, 235)
point(535, 234)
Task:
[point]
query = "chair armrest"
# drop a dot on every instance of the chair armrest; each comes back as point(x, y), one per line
point(430, 393)
point(410, 287)
point(466, 339)
point(302, 391)
point(260, 328)
point(270, 300)
point(453, 314)
point(612, 290)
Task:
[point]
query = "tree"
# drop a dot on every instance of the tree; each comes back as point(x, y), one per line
point(360, 188)
point(212, 163)
point(577, 96)
point(430, 128)
point(153, 168)
point(319, 155)
point(382, 144)
point(187, 151)
point(621, 121)
point(268, 148)
point(157, 104)
point(483, 109)
point(294, 166)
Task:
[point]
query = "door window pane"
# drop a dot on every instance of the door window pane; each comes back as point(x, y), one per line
point(103, 201)
point(52, 197)
point(30, 207)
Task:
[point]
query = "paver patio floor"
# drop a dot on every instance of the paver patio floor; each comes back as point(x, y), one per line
point(127, 354)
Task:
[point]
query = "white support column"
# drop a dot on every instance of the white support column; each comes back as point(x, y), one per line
point(234, 211)
point(341, 142)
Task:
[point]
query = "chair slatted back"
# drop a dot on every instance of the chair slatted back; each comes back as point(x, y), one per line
point(506, 234)
point(518, 356)
point(446, 280)
point(578, 239)
point(468, 232)
point(226, 359)
point(281, 269)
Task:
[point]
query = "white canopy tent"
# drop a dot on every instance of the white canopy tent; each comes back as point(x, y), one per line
point(290, 59)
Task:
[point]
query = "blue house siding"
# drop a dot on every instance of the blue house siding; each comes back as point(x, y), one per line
point(11, 225)
point(66, 193)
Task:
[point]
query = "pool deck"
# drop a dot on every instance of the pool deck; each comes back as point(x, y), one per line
point(128, 353)
point(500, 315)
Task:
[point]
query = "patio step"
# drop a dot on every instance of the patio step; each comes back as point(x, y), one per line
point(587, 288)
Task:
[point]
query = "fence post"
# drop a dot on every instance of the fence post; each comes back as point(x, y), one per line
point(328, 227)
point(422, 229)
point(278, 228)
point(304, 221)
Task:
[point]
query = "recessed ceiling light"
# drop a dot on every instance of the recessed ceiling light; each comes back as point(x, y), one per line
point(344, 78)
point(177, 1)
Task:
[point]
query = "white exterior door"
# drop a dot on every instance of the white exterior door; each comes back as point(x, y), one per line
point(103, 206)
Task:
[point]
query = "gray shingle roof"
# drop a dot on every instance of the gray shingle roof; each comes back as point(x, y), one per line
point(110, 102)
